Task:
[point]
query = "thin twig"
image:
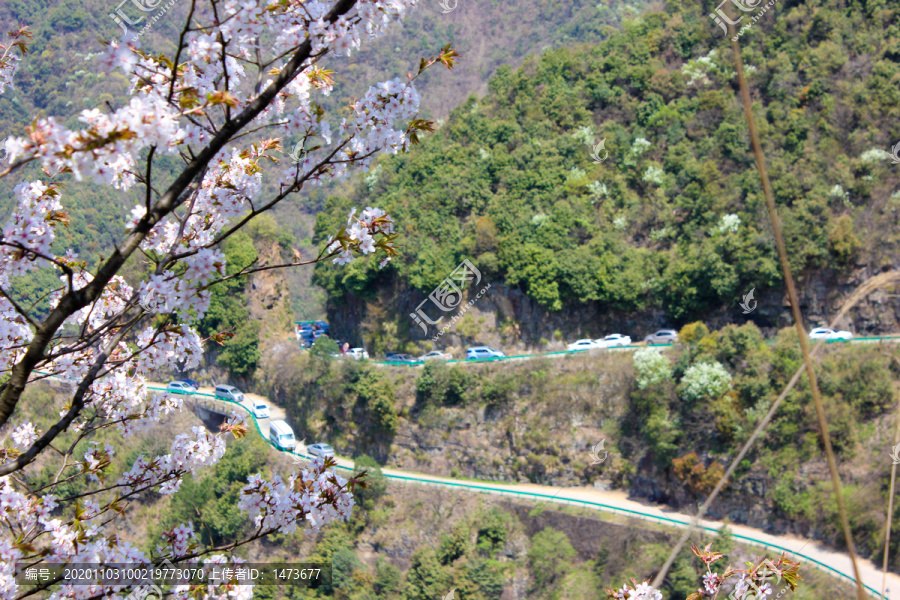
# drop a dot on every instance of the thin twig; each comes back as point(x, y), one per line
point(890, 510)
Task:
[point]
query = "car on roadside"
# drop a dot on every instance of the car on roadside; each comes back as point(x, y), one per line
point(358, 353)
point(824, 333)
point(663, 336)
point(613, 340)
point(321, 450)
point(181, 387)
point(281, 434)
point(436, 355)
point(402, 359)
point(192, 383)
point(483, 353)
point(229, 392)
point(260, 410)
point(582, 345)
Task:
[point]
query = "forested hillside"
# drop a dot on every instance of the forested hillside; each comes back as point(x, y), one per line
point(59, 77)
point(673, 219)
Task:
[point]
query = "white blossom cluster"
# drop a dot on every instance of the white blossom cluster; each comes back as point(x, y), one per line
point(186, 455)
point(706, 380)
point(696, 70)
point(729, 223)
point(651, 367)
point(360, 234)
point(640, 146)
point(281, 505)
point(642, 591)
point(873, 155)
point(9, 62)
point(585, 135)
point(654, 174)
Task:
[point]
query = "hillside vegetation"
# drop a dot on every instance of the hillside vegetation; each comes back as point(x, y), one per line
point(408, 542)
point(673, 219)
point(672, 422)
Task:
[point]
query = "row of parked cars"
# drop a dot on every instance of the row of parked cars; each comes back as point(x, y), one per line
point(613, 340)
point(280, 433)
point(223, 392)
point(670, 336)
point(308, 332)
point(472, 353)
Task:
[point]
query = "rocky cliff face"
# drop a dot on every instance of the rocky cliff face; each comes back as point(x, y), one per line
point(508, 316)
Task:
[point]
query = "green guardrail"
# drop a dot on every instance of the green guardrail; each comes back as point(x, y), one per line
point(250, 413)
point(537, 496)
point(629, 512)
point(629, 347)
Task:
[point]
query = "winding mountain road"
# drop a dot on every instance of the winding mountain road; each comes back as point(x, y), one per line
point(812, 553)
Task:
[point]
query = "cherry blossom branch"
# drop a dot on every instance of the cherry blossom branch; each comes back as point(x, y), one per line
point(74, 300)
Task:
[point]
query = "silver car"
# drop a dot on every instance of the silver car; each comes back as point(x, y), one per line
point(181, 387)
point(321, 450)
point(663, 336)
point(229, 392)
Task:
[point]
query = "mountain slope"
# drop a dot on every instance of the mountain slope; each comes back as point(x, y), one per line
point(671, 224)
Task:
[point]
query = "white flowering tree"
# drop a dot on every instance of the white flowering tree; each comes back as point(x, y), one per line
point(244, 75)
point(704, 381)
point(651, 367)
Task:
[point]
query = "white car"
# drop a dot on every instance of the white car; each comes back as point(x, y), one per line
point(582, 345)
point(613, 340)
point(358, 353)
point(436, 355)
point(260, 410)
point(824, 333)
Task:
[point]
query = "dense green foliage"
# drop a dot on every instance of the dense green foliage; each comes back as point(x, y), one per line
point(339, 401)
point(674, 217)
point(688, 439)
point(228, 310)
point(550, 557)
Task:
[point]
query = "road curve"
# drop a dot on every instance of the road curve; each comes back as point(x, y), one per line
point(810, 552)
